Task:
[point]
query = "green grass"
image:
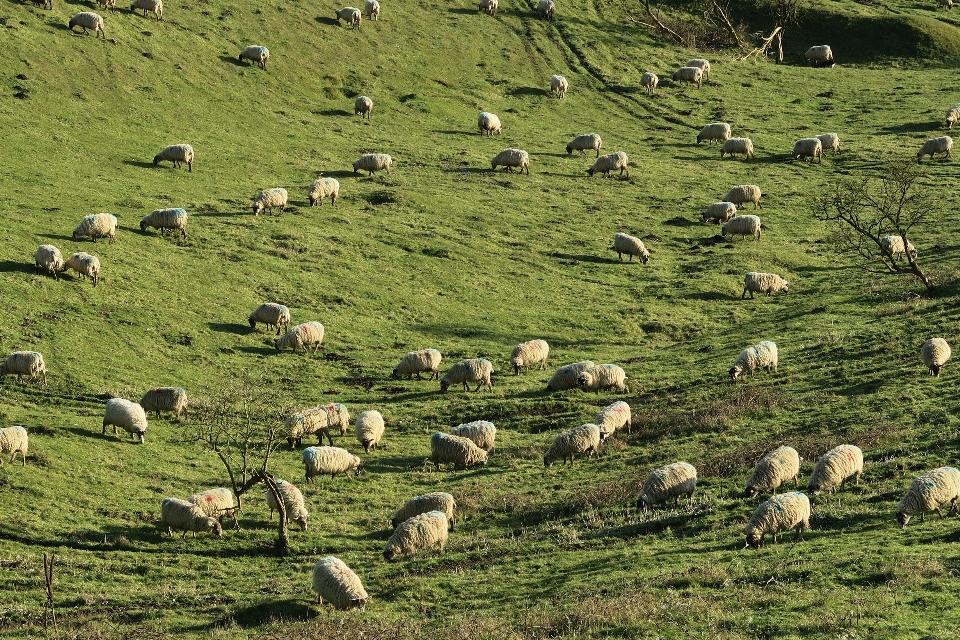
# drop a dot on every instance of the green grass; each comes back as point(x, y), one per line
point(444, 253)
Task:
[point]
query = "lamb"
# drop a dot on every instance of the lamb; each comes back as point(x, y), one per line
point(462, 452)
point(321, 188)
point(363, 106)
point(583, 439)
point(779, 513)
point(177, 154)
point(436, 501)
point(271, 314)
point(416, 361)
point(85, 265)
point(173, 399)
point(419, 532)
point(216, 503)
point(610, 162)
point(953, 114)
point(583, 142)
point(743, 193)
point(943, 144)
point(166, 219)
point(834, 467)
point(480, 432)
point(14, 440)
point(819, 56)
point(703, 64)
point(632, 246)
point(86, 20)
point(808, 148)
point(719, 212)
point(489, 7)
point(180, 515)
point(372, 9)
point(466, 371)
point(127, 415)
point(756, 282)
point(301, 336)
point(613, 417)
point(319, 420)
point(893, 245)
point(373, 162)
point(733, 146)
point(154, 6)
point(104, 4)
point(48, 258)
point(742, 226)
point(97, 225)
point(688, 74)
point(719, 131)
point(829, 141)
point(350, 15)
point(335, 581)
point(489, 123)
point(762, 355)
point(929, 492)
point(545, 9)
point(332, 460)
point(369, 429)
point(565, 377)
point(529, 353)
point(649, 81)
point(934, 353)
point(292, 503)
point(25, 363)
point(269, 199)
point(669, 481)
point(603, 376)
point(772, 470)
point(559, 86)
point(510, 158)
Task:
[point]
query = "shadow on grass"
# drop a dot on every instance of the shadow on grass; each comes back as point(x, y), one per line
point(455, 132)
point(333, 112)
point(233, 60)
point(141, 163)
point(9, 266)
point(259, 351)
point(463, 12)
point(330, 22)
point(231, 327)
point(528, 91)
point(710, 295)
point(910, 127)
point(341, 173)
point(264, 613)
point(583, 258)
point(219, 214)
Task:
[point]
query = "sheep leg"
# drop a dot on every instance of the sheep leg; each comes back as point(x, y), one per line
point(939, 513)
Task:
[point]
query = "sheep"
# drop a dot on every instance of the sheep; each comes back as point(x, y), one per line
point(216, 503)
point(719, 212)
point(626, 244)
point(419, 532)
point(373, 162)
point(603, 376)
point(929, 492)
point(565, 377)
point(510, 158)
point(462, 452)
point(14, 440)
point(104, 4)
point(610, 162)
point(819, 56)
point(613, 417)
point(545, 9)
point(85, 265)
point(166, 219)
point(25, 363)
point(893, 245)
point(416, 361)
point(480, 432)
point(269, 199)
point(489, 123)
point(466, 371)
point(934, 353)
point(369, 429)
point(688, 74)
point(302, 335)
point(529, 353)
point(293, 503)
point(255, 53)
point(701, 63)
point(583, 142)
point(718, 131)
point(86, 20)
point(763, 355)
point(372, 9)
point(43, 4)
point(943, 3)
point(583, 439)
point(829, 141)
point(743, 193)
point(669, 481)
point(271, 314)
point(97, 225)
point(733, 146)
point(649, 81)
point(953, 114)
point(332, 460)
point(127, 415)
point(335, 581)
point(173, 399)
point(154, 6)
point(350, 15)
point(180, 515)
point(772, 470)
point(742, 226)
point(834, 467)
point(177, 154)
point(943, 144)
point(319, 420)
point(489, 7)
point(321, 188)
point(48, 258)
point(436, 501)
point(767, 283)
point(779, 513)
point(559, 85)
point(808, 148)
point(363, 106)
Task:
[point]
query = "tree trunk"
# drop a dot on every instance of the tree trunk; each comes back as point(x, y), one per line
point(780, 47)
point(283, 540)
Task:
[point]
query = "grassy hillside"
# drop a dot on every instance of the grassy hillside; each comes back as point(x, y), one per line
point(445, 253)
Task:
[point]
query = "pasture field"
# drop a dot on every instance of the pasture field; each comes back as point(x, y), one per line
point(445, 253)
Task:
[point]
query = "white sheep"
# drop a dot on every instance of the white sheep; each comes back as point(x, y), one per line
point(25, 363)
point(14, 440)
point(943, 144)
point(216, 503)
point(180, 515)
point(718, 131)
point(271, 314)
point(373, 162)
point(48, 258)
point(935, 352)
point(835, 467)
point(568, 444)
point(269, 199)
point(743, 193)
point(489, 7)
point(435, 501)
point(332, 460)
point(153, 6)
point(293, 503)
point(85, 265)
point(624, 243)
point(929, 492)
point(546, 9)
point(369, 429)
point(104, 4)
point(763, 355)
point(743, 225)
point(460, 451)
point(489, 123)
point(87, 20)
point(613, 417)
point(779, 513)
point(334, 581)
point(649, 81)
point(177, 154)
point(166, 219)
point(173, 399)
point(808, 148)
point(669, 481)
point(719, 212)
point(416, 361)
point(733, 146)
point(565, 377)
point(943, 3)
point(464, 372)
point(610, 162)
point(529, 353)
point(702, 63)
point(559, 85)
point(768, 283)
point(350, 15)
point(416, 533)
point(97, 225)
point(257, 54)
point(603, 376)
point(953, 114)
point(363, 106)
point(321, 188)
point(372, 9)
point(819, 56)
point(829, 141)
point(583, 142)
point(480, 432)
point(772, 470)
point(893, 245)
point(308, 334)
point(510, 158)
point(127, 415)
point(319, 420)
point(688, 74)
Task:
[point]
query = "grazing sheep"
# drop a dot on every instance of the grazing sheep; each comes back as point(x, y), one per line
point(48, 258)
point(462, 452)
point(86, 20)
point(332, 460)
point(772, 470)
point(953, 114)
point(829, 141)
point(255, 53)
point(559, 86)
point(565, 377)
point(688, 74)
point(583, 439)
point(808, 148)
point(893, 245)
point(351, 16)
point(834, 467)
point(97, 225)
point(416, 533)
point(165, 219)
point(610, 162)
point(177, 154)
point(436, 501)
point(127, 415)
point(719, 212)
point(104, 4)
point(301, 336)
point(43, 4)
point(632, 246)
point(733, 146)
point(271, 314)
point(934, 353)
point(743, 193)
point(216, 503)
point(153, 6)
point(489, 123)
point(529, 353)
point(649, 81)
point(718, 131)
point(545, 9)
point(669, 481)
point(489, 6)
point(742, 226)
point(480, 432)
point(14, 440)
point(613, 417)
point(756, 282)
point(85, 265)
point(180, 515)
point(321, 188)
point(943, 144)
point(173, 399)
point(929, 492)
point(819, 56)
point(779, 513)
point(510, 158)
point(372, 9)
point(603, 376)
point(466, 371)
point(269, 199)
point(293, 503)
point(943, 3)
point(335, 581)
point(369, 429)
point(416, 361)
point(763, 355)
point(363, 106)
point(373, 162)
point(319, 420)
point(25, 363)
point(701, 63)
point(584, 142)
